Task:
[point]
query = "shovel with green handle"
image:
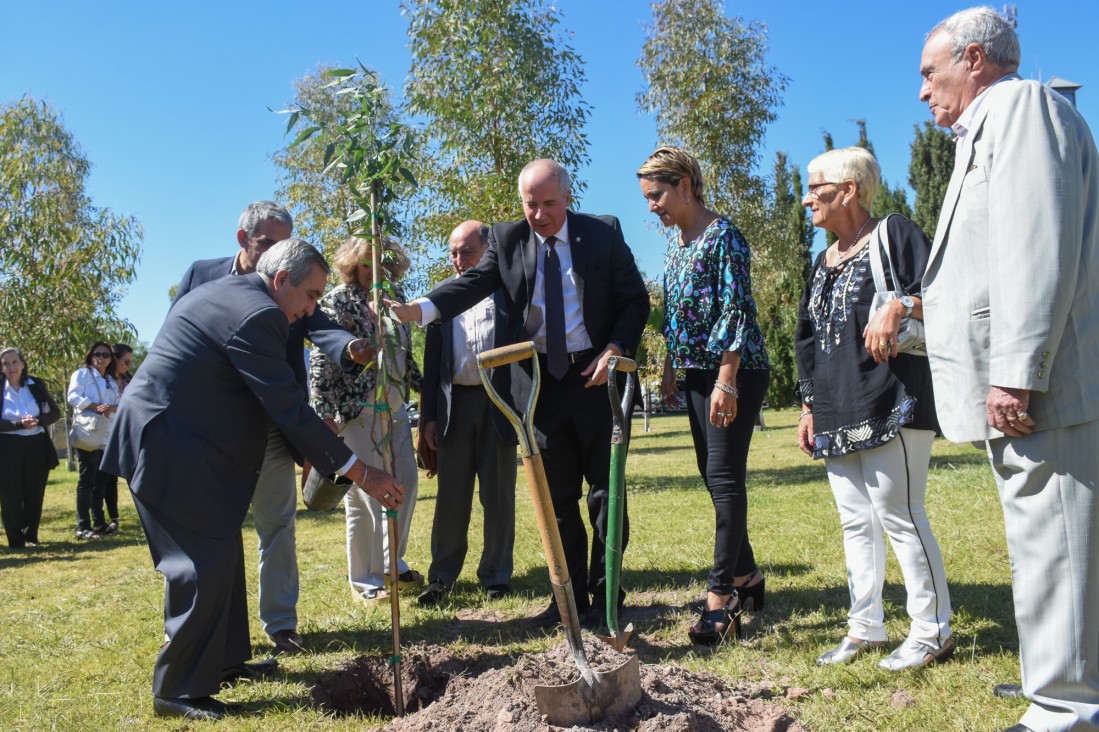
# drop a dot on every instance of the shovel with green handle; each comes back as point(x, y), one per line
point(621, 410)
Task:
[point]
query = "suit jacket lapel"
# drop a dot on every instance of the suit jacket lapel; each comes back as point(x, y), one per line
point(962, 166)
point(579, 255)
point(530, 268)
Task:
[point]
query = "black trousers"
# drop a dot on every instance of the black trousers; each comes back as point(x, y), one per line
point(573, 427)
point(722, 455)
point(23, 475)
point(91, 488)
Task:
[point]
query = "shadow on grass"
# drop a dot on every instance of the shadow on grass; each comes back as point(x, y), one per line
point(70, 550)
point(757, 477)
point(948, 462)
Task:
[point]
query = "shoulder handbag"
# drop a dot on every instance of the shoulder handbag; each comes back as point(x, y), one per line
point(910, 337)
point(89, 429)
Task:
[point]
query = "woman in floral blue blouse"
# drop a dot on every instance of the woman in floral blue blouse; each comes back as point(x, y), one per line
point(345, 402)
point(711, 332)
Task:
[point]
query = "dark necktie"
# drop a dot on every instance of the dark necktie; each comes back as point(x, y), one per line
point(557, 354)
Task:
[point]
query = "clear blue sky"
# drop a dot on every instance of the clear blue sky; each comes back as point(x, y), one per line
point(170, 101)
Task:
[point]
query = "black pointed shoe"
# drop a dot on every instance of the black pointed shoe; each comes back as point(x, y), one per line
point(199, 708)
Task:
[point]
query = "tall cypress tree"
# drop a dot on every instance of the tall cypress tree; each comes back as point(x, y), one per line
point(929, 173)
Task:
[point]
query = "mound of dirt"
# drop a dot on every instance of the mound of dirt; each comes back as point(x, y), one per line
point(482, 692)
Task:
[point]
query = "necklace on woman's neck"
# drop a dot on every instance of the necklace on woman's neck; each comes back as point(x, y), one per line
point(684, 239)
point(858, 235)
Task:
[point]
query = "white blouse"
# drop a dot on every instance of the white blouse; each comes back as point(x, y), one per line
point(18, 403)
point(88, 387)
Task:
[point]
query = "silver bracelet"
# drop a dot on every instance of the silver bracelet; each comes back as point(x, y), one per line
point(803, 413)
point(728, 389)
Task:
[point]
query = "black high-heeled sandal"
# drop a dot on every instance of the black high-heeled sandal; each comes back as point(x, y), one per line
point(714, 625)
point(755, 593)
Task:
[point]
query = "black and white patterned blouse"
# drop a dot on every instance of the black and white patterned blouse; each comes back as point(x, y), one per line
point(340, 395)
point(857, 404)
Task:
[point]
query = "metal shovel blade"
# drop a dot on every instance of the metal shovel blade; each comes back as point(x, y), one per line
point(618, 638)
point(607, 693)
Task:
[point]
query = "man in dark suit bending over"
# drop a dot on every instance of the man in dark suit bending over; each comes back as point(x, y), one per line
point(275, 503)
point(190, 437)
point(572, 287)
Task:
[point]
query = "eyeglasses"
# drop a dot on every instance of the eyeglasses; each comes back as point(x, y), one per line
point(101, 354)
point(814, 186)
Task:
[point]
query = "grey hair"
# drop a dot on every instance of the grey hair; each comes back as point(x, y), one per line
point(988, 29)
point(296, 256)
point(260, 211)
point(18, 354)
point(555, 168)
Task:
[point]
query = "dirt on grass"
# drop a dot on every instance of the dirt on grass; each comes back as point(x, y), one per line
point(480, 691)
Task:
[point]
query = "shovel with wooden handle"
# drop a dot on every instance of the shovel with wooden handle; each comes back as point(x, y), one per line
point(621, 410)
point(595, 694)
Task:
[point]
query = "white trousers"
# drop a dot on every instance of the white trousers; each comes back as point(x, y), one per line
point(880, 492)
point(367, 525)
point(1047, 483)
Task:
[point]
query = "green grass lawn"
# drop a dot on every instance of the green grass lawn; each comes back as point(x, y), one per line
point(80, 623)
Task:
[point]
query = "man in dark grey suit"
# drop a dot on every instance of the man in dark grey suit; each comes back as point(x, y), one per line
point(190, 436)
point(593, 306)
point(276, 500)
point(470, 436)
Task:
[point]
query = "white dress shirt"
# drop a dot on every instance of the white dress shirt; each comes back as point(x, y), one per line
point(472, 334)
point(576, 335)
point(963, 143)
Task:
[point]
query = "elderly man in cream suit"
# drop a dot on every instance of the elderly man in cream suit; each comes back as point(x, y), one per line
point(1011, 305)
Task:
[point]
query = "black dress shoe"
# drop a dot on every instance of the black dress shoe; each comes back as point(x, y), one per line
point(200, 708)
point(594, 621)
point(548, 618)
point(250, 670)
point(498, 592)
point(1008, 691)
point(433, 594)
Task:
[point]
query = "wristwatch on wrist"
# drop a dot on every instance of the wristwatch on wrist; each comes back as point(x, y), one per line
point(908, 303)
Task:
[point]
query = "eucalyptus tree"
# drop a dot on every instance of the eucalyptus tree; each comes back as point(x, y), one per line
point(712, 92)
point(495, 84)
point(316, 194)
point(64, 262)
point(371, 156)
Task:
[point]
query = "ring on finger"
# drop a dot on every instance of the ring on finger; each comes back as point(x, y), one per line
point(1023, 416)
point(1011, 418)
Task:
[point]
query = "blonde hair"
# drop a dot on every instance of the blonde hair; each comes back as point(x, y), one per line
point(850, 163)
point(355, 250)
point(670, 165)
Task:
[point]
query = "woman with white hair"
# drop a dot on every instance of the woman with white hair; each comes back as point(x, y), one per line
point(868, 409)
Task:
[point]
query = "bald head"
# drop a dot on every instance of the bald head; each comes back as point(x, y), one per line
point(468, 243)
point(544, 188)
